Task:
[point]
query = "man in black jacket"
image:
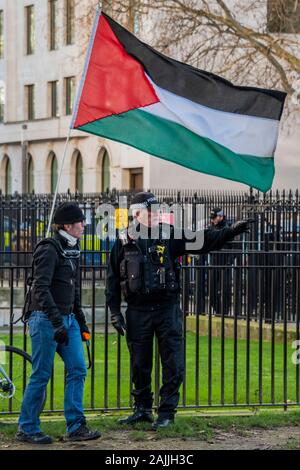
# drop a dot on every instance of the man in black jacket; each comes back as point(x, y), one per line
point(221, 276)
point(57, 323)
point(146, 270)
point(217, 218)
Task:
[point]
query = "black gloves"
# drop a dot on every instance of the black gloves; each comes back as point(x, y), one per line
point(242, 226)
point(61, 335)
point(60, 332)
point(118, 322)
point(85, 332)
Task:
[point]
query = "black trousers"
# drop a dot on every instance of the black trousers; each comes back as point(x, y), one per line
point(166, 324)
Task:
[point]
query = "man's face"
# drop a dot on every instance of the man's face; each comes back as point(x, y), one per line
point(149, 218)
point(75, 230)
point(217, 219)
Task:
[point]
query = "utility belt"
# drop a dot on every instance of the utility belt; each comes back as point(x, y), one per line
point(152, 273)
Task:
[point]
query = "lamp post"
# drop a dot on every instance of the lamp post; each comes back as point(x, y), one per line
point(24, 147)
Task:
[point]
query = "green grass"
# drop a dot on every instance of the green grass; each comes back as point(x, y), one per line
point(108, 398)
point(137, 435)
point(185, 427)
point(291, 444)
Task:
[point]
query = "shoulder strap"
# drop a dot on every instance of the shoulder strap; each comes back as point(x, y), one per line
point(123, 237)
point(62, 252)
point(50, 240)
point(45, 241)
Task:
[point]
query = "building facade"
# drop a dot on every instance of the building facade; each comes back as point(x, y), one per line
point(42, 48)
point(41, 58)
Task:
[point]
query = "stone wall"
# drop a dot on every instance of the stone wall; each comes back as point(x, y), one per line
point(241, 329)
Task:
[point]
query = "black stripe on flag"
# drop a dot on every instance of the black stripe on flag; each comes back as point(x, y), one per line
point(197, 85)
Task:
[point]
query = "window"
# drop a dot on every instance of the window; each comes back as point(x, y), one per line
point(105, 172)
point(54, 173)
point(8, 177)
point(30, 35)
point(136, 178)
point(1, 34)
point(70, 22)
point(70, 94)
point(283, 16)
point(79, 174)
point(30, 174)
point(53, 9)
point(54, 98)
point(2, 103)
point(29, 90)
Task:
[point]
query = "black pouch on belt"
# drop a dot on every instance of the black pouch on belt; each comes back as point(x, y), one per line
point(134, 274)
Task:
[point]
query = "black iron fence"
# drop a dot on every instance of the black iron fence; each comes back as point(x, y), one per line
point(241, 305)
point(226, 282)
point(24, 218)
point(240, 324)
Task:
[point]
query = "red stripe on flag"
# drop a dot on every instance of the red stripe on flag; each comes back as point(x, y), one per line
point(115, 82)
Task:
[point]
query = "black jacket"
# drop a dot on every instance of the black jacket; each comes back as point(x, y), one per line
point(213, 240)
point(220, 225)
point(56, 281)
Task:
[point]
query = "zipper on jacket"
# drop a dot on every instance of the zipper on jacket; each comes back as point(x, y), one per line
point(72, 266)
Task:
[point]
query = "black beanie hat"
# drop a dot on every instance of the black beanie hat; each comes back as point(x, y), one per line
point(68, 213)
point(143, 200)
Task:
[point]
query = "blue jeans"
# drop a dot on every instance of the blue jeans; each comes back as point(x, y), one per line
point(43, 351)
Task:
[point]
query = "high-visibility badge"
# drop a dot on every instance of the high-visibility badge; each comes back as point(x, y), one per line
point(121, 218)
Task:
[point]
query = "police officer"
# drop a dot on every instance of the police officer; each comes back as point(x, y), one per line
point(146, 270)
point(57, 324)
point(218, 221)
point(218, 218)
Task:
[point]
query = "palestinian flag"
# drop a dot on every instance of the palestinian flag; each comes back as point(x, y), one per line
point(132, 94)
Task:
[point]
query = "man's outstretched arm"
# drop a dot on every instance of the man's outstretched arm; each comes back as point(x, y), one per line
point(212, 239)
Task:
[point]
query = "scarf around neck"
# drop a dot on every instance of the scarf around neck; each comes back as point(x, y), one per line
point(71, 240)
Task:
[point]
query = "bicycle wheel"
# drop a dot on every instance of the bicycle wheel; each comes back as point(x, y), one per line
point(15, 370)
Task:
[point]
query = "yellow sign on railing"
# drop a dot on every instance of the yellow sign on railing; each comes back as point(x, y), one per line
point(121, 218)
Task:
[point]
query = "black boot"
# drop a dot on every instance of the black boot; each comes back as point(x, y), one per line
point(83, 434)
point(38, 438)
point(163, 422)
point(140, 414)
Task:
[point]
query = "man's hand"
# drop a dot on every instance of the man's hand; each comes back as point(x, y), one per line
point(242, 226)
point(84, 330)
point(60, 332)
point(61, 335)
point(118, 322)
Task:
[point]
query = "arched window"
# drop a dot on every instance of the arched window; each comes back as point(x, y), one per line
point(105, 172)
point(30, 174)
point(8, 177)
point(54, 172)
point(79, 174)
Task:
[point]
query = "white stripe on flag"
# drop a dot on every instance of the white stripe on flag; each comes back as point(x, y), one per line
point(242, 134)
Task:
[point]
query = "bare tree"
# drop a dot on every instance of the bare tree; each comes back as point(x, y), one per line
point(250, 42)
